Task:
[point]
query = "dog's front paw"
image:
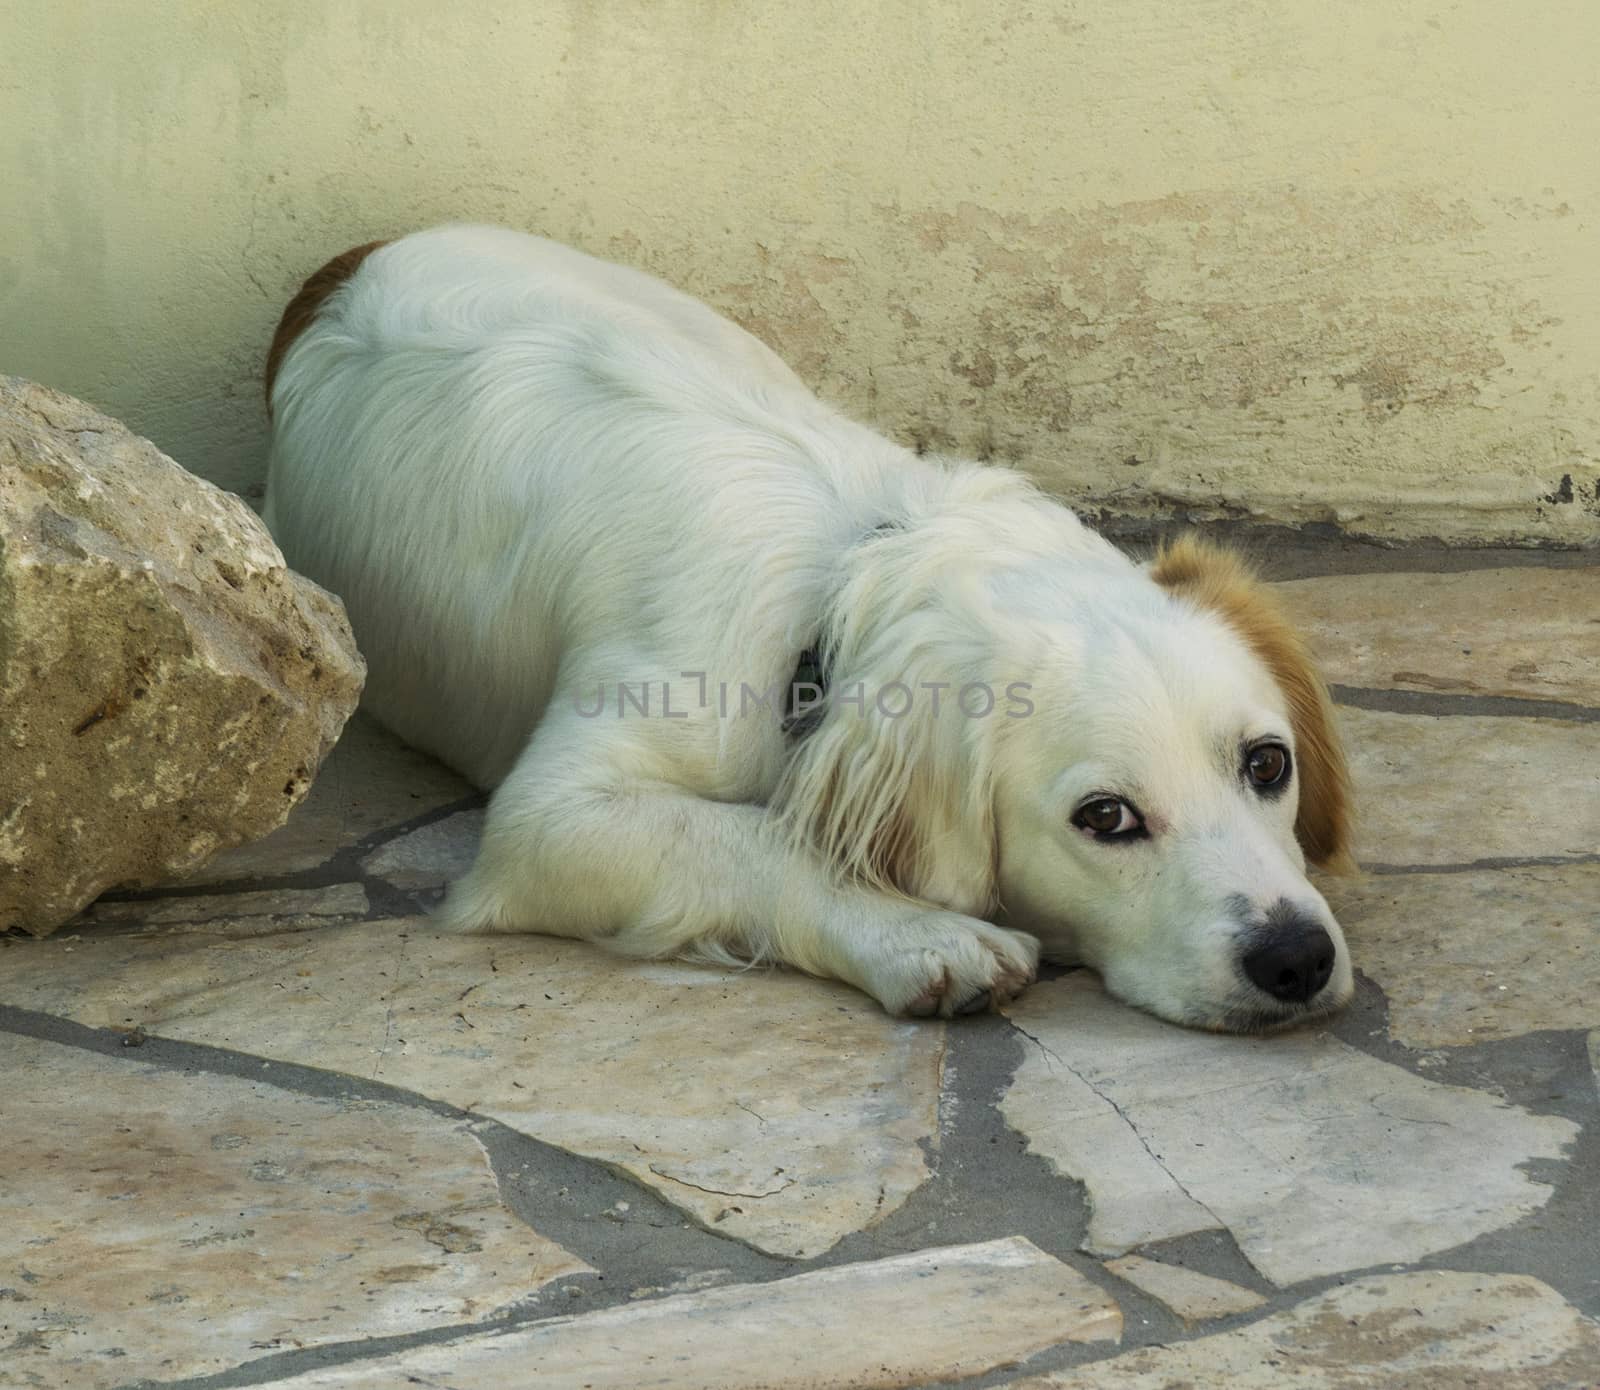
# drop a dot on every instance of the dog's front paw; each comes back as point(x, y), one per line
point(959, 966)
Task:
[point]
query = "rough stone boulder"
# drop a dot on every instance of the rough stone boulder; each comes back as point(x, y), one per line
point(168, 688)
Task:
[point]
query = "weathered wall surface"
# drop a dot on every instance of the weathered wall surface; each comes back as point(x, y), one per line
point(1275, 258)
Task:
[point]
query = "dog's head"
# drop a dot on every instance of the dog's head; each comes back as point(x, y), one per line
point(1146, 807)
point(1157, 821)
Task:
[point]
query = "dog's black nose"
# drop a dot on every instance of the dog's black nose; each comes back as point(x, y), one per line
point(1293, 964)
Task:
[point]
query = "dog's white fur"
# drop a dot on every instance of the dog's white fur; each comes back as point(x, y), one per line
point(532, 476)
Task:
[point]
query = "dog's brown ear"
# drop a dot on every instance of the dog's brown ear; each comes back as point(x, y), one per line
point(1220, 580)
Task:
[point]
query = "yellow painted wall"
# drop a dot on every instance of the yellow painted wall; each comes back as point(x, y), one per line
point(1291, 259)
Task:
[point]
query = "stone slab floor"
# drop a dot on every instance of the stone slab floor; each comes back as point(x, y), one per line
point(266, 1129)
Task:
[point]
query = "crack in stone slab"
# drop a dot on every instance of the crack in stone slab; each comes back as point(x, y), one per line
point(1122, 1115)
point(723, 1192)
point(388, 1020)
point(1306, 1173)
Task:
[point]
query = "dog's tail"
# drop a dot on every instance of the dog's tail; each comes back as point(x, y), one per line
point(303, 309)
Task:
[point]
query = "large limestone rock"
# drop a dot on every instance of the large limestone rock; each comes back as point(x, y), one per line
point(167, 687)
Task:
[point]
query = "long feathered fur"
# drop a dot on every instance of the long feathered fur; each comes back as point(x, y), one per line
point(532, 475)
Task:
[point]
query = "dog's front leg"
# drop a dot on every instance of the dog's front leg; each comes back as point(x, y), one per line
point(581, 841)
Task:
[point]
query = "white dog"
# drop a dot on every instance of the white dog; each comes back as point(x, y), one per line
point(603, 552)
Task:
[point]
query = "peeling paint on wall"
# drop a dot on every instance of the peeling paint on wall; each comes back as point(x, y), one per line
point(1299, 355)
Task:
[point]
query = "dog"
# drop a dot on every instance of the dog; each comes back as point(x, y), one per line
point(751, 682)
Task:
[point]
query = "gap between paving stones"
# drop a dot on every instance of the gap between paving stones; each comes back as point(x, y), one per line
point(532, 1169)
point(1386, 700)
point(984, 1184)
point(1535, 861)
point(577, 1202)
point(1319, 549)
point(342, 867)
point(1531, 1070)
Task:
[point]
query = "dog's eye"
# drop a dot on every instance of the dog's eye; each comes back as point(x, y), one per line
point(1267, 764)
point(1107, 818)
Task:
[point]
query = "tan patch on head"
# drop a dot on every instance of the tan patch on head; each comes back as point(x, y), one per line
point(1221, 581)
point(303, 308)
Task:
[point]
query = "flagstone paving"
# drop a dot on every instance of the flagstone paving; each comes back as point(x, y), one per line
point(1524, 633)
point(369, 784)
point(938, 1314)
point(137, 1199)
point(1462, 788)
point(1193, 1296)
point(1433, 1331)
point(267, 1128)
point(1317, 1157)
point(1466, 956)
point(779, 1110)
